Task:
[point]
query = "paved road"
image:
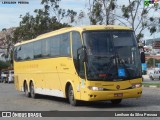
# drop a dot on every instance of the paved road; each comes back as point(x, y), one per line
point(12, 100)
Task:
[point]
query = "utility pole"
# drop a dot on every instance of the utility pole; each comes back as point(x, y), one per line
point(159, 25)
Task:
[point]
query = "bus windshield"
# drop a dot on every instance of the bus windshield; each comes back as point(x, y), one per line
point(112, 55)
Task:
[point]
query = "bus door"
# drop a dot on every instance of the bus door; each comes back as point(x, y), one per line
point(78, 64)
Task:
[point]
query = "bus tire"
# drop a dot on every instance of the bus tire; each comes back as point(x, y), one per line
point(26, 91)
point(33, 94)
point(71, 98)
point(116, 101)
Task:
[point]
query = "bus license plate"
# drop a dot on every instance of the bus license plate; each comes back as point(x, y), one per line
point(118, 94)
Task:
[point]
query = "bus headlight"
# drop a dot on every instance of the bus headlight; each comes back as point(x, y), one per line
point(136, 85)
point(95, 88)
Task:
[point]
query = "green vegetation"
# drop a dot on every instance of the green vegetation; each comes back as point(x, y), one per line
point(151, 84)
point(134, 15)
point(52, 17)
point(42, 22)
point(152, 61)
point(100, 12)
point(4, 65)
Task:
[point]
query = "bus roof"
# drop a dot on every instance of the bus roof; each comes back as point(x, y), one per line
point(80, 29)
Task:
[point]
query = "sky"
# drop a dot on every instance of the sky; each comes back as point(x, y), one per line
point(9, 14)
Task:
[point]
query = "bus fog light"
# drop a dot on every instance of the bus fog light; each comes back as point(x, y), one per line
point(95, 88)
point(137, 85)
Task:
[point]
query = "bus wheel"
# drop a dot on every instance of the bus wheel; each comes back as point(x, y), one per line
point(116, 101)
point(27, 93)
point(33, 94)
point(71, 98)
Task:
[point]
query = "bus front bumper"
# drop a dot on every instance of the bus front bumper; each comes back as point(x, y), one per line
point(110, 95)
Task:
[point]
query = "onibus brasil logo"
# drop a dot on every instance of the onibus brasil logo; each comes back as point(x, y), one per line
point(151, 2)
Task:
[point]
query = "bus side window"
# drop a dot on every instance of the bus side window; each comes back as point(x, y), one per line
point(37, 49)
point(65, 45)
point(76, 43)
point(28, 51)
point(46, 47)
point(15, 54)
point(55, 46)
point(20, 53)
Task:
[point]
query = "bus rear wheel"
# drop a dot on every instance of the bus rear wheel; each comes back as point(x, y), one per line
point(71, 97)
point(27, 93)
point(116, 101)
point(33, 94)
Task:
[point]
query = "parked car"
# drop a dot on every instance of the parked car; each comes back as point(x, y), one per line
point(155, 75)
point(4, 76)
point(7, 76)
point(10, 76)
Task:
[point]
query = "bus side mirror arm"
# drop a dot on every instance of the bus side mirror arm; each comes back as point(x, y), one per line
point(81, 55)
point(142, 57)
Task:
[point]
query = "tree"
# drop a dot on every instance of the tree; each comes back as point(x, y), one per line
point(80, 17)
point(136, 15)
point(32, 26)
point(4, 65)
point(59, 13)
point(101, 11)
point(7, 41)
point(152, 61)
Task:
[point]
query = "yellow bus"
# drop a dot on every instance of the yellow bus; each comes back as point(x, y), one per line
point(88, 63)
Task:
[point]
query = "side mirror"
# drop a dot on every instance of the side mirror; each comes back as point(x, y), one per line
point(142, 57)
point(83, 54)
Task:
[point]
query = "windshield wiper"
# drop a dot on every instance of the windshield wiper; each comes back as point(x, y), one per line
point(103, 56)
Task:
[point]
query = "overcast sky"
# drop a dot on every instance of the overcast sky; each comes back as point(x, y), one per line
point(9, 14)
